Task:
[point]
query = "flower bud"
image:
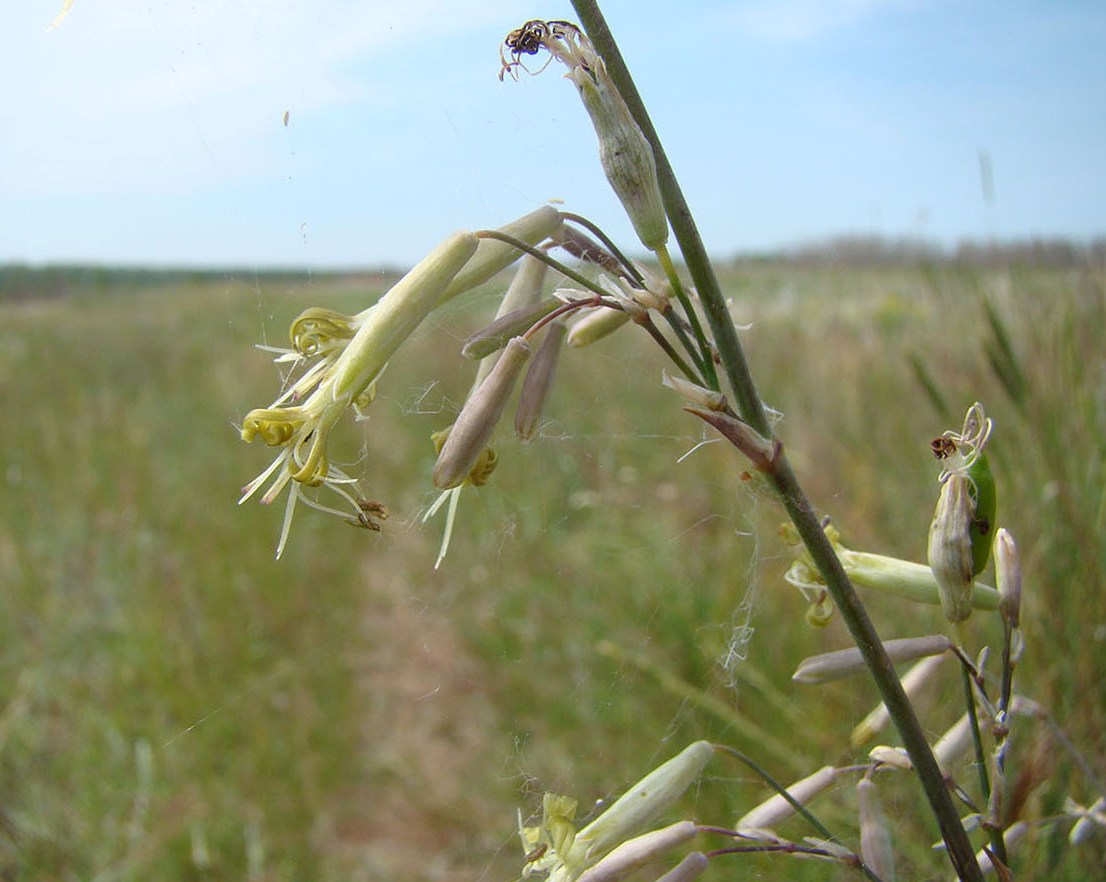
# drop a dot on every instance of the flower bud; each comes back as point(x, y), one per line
point(843, 662)
point(492, 255)
point(636, 852)
point(1089, 818)
point(694, 393)
point(1008, 574)
point(596, 324)
point(954, 745)
point(493, 337)
point(538, 381)
point(912, 682)
point(523, 292)
point(625, 154)
point(477, 420)
point(525, 287)
point(643, 803)
point(777, 809)
point(890, 575)
point(895, 757)
point(950, 547)
point(875, 837)
point(691, 867)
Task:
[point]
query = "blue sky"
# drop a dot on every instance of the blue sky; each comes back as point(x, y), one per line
point(152, 131)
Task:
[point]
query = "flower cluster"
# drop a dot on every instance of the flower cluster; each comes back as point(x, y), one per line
point(342, 358)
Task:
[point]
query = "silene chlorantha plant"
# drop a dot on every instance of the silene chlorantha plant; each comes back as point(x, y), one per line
point(596, 290)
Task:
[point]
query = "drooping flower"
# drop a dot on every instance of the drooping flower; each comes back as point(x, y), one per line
point(353, 353)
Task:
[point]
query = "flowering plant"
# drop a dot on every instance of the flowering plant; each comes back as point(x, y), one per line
point(599, 293)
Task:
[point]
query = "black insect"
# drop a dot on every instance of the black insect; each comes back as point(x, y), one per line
point(530, 39)
point(943, 447)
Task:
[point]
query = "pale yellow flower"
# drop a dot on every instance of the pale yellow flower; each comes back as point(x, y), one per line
point(300, 421)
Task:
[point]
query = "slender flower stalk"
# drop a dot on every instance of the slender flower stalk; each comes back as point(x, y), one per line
point(492, 255)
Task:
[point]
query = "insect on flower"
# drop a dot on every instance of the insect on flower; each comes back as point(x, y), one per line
point(960, 535)
point(942, 447)
point(959, 451)
point(530, 39)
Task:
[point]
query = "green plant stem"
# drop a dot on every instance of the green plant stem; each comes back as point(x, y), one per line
point(543, 257)
point(706, 357)
point(977, 736)
point(662, 341)
point(758, 769)
point(794, 500)
point(677, 326)
point(992, 823)
point(1006, 690)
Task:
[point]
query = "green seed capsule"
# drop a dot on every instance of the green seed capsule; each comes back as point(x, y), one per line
point(982, 529)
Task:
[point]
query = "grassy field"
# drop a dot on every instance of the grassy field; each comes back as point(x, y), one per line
point(177, 705)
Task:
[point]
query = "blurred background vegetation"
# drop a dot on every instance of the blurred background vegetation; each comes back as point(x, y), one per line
point(175, 704)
